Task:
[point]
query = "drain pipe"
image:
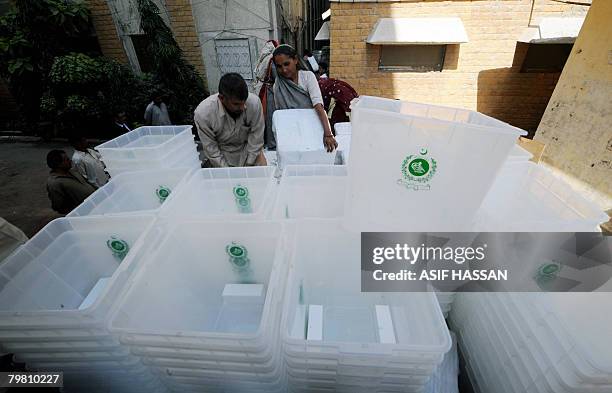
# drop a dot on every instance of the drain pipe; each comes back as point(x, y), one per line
point(531, 12)
point(273, 31)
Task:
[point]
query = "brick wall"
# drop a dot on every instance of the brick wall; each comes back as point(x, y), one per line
point(109, 40)
point(183, 26)
point(482, 74)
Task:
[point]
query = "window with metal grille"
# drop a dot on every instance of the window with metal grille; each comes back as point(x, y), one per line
point(546, 57)
point(234, 55)
point(412, 58)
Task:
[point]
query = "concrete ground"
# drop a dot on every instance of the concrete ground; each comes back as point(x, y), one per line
point(23, 176)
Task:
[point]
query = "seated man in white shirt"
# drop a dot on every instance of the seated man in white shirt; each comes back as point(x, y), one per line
point(88, 162)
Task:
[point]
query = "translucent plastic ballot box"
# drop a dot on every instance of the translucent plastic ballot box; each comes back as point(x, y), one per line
point(299, 138)
point(204, 312)
point(338, 338)
point(133, 193)
point(49, 282)
point(311, 191)
point(529, 197)
point(535, 342)
point(224, 193)
point(421, 167)
point(145, 143)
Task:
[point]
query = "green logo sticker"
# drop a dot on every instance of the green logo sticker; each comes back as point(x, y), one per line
point(238, 258)
point(547, 274)
point(237, 251)
point(162, 193)
point(550, 268)
point(417, 171)
point(118, 247)
point(418, 167)
point(241, 192)
point(243, 202)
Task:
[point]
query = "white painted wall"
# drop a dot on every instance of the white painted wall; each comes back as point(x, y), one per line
point(254, 20)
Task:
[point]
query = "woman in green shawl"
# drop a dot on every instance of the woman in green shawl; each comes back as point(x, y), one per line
point(295, 88)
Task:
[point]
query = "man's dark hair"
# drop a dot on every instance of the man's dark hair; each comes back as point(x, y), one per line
point(55, 158)
point(232, 85)
point(307, 52)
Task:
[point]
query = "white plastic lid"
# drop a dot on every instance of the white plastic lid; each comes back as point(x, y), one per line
point(587, 319)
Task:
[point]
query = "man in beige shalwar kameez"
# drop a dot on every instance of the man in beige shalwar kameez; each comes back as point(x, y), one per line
point(231, 125)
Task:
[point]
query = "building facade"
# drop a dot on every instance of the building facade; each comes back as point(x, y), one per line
point(496, 71)
point(216, 36)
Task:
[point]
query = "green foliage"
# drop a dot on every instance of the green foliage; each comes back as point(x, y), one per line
point(19, 66)
point(38, 30)
point(32, 34)
point(79, 105)
point(14, 51)
point(76, 69)
point(16, 57)
point(85, 92)
point(72, 17)
point(48, 105)
point(56, 79)
point(122, 90)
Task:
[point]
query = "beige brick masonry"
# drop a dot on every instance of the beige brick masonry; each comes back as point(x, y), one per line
point(109, 40)
point(482, 74)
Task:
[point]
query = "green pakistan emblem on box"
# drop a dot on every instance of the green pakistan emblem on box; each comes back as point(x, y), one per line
point(241, 191)
point(238, 256)
point(546, 275)
point(118, 247)
point(236, 250)
point(162, 193)
point(243, 202)
point(417, 171)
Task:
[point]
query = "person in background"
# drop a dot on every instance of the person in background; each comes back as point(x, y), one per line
point(264, 79)
point(295, 88)
point(156, 113)
point(337, 97)
point(88, 162)
point(66, 188)
point(231, 125)
point(119, 125)
point(323, 70)
point(311, 61)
